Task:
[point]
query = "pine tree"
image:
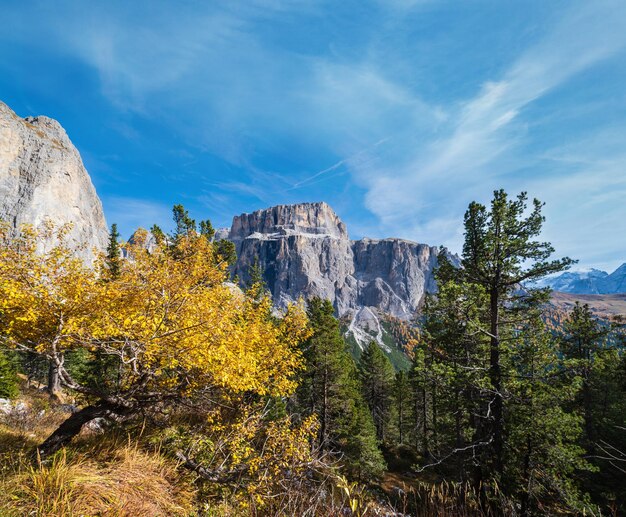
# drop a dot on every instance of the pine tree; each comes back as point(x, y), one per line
point(543, 455)
point(494, 395)
point(449, 375)
point(329, 388)
point(183, 223)
point(403, 402)
point(362, 455)
point(499, 254)
point(158, 234)
point(226, 251)
point(377, 380)
point(583, 343)
point(256, 286)
point(206, 229)
point(592, 351)
point(113, 257)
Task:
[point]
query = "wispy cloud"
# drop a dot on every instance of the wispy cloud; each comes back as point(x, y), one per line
point(372, 102)
point(477, 150)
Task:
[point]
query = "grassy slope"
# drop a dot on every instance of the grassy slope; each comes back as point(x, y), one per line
point(602, 305)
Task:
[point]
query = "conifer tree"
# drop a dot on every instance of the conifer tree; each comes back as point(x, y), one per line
point(226, 251)
point(592, 351)
point(183, 223)
point(583, 343)
point(500, 252)
point(256, 286)
point(542, 432)
point(158, 234)
point(377, 380)
point(330, 389)
point(449, 373)
point(495, 403)
point(113, 258)
point(206, 229)
point(404, 404)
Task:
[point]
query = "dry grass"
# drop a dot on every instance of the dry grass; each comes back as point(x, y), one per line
point(429, 497)
point(113, 474)
point(99, 477)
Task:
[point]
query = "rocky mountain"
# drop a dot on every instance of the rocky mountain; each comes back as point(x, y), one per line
point(593, 281)
point(304, 250)
point(42, 177)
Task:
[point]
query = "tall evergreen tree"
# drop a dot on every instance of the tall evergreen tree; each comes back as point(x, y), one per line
point(542, 432)
point(593, 351)
point(377, 380)
point(226, 251)
point(158, 234)
point(584, 343)
point(330, 389)
point(500, 252)
point(183, 223)
point(113, 258)
point(256, 285)
point(494, 393)
point(404, 405)
point(206, 229)
point(449, 375)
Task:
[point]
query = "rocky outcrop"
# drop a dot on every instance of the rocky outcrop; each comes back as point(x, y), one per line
point(303, 219)
point(42, 177)
point(304, 250)
point(393, 275)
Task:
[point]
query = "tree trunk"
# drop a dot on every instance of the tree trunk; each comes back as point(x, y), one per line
point(54, 380)
point(496, 382)
point(324, 415)
point(72, 426)
point(425, 447)
point(525, 498)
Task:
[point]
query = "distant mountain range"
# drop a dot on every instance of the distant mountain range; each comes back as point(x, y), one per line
point(593, 281)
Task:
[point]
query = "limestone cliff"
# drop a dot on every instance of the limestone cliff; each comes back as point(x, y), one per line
point(305, 250)
point(42, 177)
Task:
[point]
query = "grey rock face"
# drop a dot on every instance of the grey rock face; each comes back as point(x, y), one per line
point(304, 250)
point(394, 274)
point(42, 177)
point(221, 234)
point(143, 237)
point(304, 218)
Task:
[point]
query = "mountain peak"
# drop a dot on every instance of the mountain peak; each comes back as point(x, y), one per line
point(303, 218)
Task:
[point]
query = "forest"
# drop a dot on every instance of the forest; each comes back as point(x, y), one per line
point(152, 383)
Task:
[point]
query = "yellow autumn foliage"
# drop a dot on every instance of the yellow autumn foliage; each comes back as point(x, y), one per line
point(46, 296)
point(171, 318)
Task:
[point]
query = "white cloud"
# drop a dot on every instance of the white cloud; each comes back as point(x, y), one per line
point(216, 75)
point(477, 151)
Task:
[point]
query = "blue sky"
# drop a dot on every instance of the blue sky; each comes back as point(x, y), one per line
point(398, 113)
